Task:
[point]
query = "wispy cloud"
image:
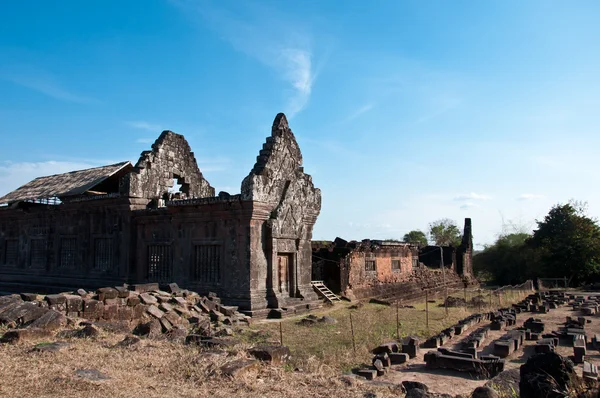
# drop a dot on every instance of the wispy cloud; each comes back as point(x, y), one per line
point(471, 196)
point(46, 84)
point(143, 125)
point(468, 205)
point(268, 37)
point(363, 109)
point(529, 196)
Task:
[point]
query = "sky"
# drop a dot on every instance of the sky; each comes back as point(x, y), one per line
point(406, 112)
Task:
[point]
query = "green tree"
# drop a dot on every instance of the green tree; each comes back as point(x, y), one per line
point(568, 244)
point(508, 261)
point(444, 232)
point(416, 236)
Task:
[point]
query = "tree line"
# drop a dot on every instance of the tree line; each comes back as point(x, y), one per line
point(566, 244)
point(443, 232)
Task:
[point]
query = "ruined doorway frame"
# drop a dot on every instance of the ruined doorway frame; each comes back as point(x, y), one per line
point(286, 274)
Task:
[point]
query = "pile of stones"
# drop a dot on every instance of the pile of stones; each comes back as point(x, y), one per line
point(541, 302)
point(587, 305)
point(388, 354)
point(503, 318)
point(146, 308)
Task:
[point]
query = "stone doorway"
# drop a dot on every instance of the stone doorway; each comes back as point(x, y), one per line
point(285, 269)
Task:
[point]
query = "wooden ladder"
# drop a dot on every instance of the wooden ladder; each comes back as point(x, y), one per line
point(325, 292)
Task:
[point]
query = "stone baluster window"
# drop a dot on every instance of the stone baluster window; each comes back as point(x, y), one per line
point(68, 253)
point(207, 264)
point(160, 263)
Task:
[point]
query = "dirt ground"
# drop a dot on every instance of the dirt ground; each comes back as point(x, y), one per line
point(454, 383)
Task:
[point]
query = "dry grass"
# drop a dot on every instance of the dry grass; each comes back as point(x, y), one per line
point(155, 369)
point(158, 368)
point(373, 324)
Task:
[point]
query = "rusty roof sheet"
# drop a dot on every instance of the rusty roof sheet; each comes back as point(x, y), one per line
point(62, 185)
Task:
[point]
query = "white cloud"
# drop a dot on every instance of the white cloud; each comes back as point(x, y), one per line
point(143, 125)
point(145, 140)
point(471, 196)
point(268, 37)
point(360, 111)
point(529, 196)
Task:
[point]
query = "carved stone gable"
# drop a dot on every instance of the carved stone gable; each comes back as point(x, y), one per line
point(170, 160)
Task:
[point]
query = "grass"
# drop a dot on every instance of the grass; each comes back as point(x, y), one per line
point(159, 368)
point(373, 324)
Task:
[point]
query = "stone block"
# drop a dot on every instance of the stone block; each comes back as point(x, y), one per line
point(145, 287)
point(31, 297)
point(397, 358)
point(173, 288)
point(181, 301)
point(368, 374)
point(239, 367)
point(410, 349)
point(17, 335)
point(125, 313)
point(122, 291)
point(166, 307)
point(154, 311)
point(384, 358)
point(112, 301)
point(51, 320)
point(386, 348)
point(276, 355)
point(74, 303)
point(132, 301)
point(503, 348)
point(21, 312)
point(166, 325)
point(148, 299)
point(227, 311)
point(432, 342)
point(378, 365)
point(107, 293)
point(590, 371)
point(92, 309)
point(111, 312)
point(543, 347)
point(459, 329)
point(173, 318)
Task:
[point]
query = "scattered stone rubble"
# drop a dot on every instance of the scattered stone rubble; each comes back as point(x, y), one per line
point(148, 309)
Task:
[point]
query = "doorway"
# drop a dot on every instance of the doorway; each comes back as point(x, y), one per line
point(285, 270)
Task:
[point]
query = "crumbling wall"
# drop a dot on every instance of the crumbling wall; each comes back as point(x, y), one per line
point(464, 264)
point(411, 287)
point(170, 160)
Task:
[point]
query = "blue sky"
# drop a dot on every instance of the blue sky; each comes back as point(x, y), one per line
point(406, 111)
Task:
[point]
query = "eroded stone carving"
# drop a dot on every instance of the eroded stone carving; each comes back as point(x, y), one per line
point(279, 179)
point(170, 160)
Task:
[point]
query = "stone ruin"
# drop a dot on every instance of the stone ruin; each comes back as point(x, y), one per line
point(124, 224)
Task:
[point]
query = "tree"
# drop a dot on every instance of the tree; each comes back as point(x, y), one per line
point(568, 243)
point(416, 236)
point(444, 232)
point(508, 261)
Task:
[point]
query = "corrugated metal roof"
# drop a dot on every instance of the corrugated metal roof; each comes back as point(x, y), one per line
point(62, 185)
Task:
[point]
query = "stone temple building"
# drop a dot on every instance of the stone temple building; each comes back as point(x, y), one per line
point(121, 224)
point(375, 268)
